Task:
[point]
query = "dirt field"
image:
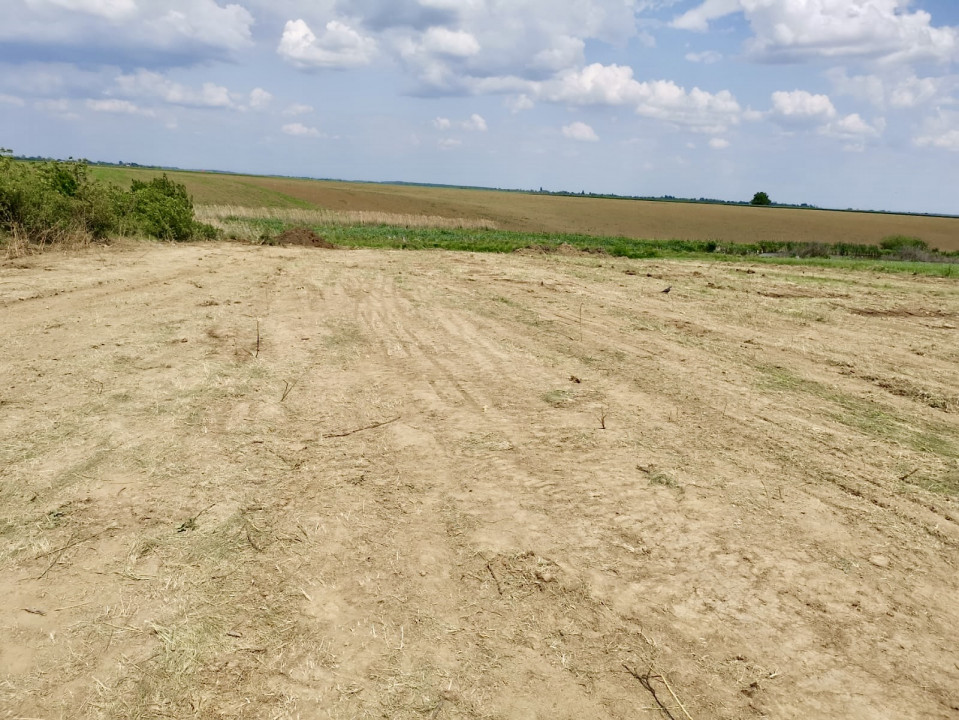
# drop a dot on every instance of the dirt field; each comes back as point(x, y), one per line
point(288, 482)
point(553, 214)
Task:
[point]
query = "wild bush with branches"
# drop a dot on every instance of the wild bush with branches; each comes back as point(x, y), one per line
point(58, 201)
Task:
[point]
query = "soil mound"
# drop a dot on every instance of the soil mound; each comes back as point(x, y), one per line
point(303, 236)
point(562, 249)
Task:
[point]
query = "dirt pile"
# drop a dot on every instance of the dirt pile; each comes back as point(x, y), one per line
point(303, 236)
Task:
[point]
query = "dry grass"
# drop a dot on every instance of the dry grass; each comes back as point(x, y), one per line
point(190, 528)
point(238, 222)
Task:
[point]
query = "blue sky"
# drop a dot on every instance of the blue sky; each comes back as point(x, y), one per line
point(838, 103)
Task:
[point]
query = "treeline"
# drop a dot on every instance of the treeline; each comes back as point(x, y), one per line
point(59, 201)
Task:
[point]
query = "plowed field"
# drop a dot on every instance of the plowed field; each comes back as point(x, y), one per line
point(286, 482)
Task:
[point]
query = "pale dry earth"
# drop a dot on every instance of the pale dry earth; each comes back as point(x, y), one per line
point(242, 482)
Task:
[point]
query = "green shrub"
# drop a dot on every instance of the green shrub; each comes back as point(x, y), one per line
point(163, 209)
point(58, 200)
point(896, 243)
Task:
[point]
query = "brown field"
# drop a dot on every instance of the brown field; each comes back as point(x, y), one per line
point(242, 482)
point(549, 214)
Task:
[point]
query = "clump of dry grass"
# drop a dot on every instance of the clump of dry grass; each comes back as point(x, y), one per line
point(18, 244)
point(238, 222)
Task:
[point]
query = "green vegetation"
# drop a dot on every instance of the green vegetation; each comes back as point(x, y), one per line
point(60, 202)
point(847, 255)
point(760, 198)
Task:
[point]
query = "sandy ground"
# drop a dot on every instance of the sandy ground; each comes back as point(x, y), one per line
point(246, 482)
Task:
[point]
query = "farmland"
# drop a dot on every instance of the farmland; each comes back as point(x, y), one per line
point(527, 213)
point(242, 482)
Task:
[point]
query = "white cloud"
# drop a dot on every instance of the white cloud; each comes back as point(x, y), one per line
point(457, 43)
point(154, 85)
point(899, 91)
point(599, 84)
point(595, 84)
point(126, 33)
point(123, 107)
point(580, 131)
point(11, 100)
point(698, 18)
point(340, 46)
point(300, 130)
point(449, 143)
point(941, 131)
point(476, 123)
point(798, 108)
point(853, 127)
point(707, 57)
point(565, 52)
point(519, 103)
point(719, 143)
point(948, 140)
point(298, 109)
point(110, 9)
point(260, 98)
point(803, 30)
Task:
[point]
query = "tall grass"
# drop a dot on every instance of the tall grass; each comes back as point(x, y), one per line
point(235, 220)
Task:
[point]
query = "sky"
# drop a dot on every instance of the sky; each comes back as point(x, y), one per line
point(835, 103)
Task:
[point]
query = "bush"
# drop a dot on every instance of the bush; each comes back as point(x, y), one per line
point(57, 201)
point(897, 243)
point(163, 209)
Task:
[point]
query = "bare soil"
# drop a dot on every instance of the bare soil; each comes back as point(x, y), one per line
point(271, 482)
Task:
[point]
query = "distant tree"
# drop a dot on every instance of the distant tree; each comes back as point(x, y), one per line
point(760, 198)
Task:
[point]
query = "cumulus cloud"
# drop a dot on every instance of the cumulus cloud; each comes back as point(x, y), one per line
point(580, 131)
point(802, 110)
point(599, 84)
point(300, 130)
point(475, 123)
point(799, 107)
point(519, 103)
point(449, 143)
point(443, 41)
point(260, 98)
point(123, 107)
point(110, 9)
point(124, 33)
point(719, 143)
point(822, 29)
point(940, 131)
point(707, 57)
point(11, 100)
point(297, 109)
point(154, 85)
point(340, 46)
point(901, 91)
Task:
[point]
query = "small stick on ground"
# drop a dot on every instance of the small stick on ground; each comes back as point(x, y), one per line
point(289, 386)
point(257, 353)
point(361, 429)
point(190, 523)
point(60, 550)
point(645, 681)
point(499, 588)
point(908, 475)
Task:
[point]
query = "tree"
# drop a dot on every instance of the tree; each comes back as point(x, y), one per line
point(760, 198)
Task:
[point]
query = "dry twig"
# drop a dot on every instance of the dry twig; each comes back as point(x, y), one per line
point(646, 682)
point(361, 429)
